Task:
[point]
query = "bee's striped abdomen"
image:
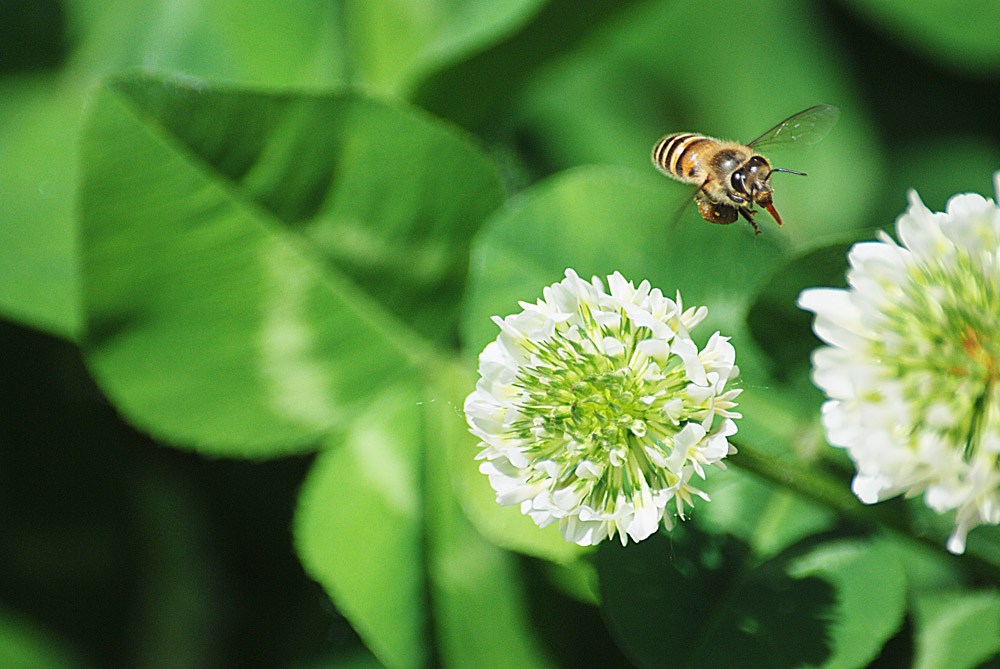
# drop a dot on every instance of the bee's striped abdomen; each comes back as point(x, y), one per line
point(677, 156)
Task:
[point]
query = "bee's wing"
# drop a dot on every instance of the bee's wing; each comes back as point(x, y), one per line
point(675, 222)
point(807, 127)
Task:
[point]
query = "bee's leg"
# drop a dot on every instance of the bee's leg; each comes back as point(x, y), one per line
point(701, 188)
point(748, 214)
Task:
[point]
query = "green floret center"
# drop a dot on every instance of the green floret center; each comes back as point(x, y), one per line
point(580, 404)
point(600, 410)
point(944, 343)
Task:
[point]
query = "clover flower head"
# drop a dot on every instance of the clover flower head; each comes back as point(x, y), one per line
point(912, 366)
point(596, 410)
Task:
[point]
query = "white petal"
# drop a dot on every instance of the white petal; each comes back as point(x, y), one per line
point(620, 288)
point(689, 436)
point(688, 352)
point(588, 470)
point(838, 319)
point(956, 542)
point(567, 499)
point(585, 532)
point(869, 489)
point(830, 372)
point(968, 205)
point(656, 348)
point(872, 256)
point(919, 229)
point(612, 346)
point(693, 316)
point(647, 517)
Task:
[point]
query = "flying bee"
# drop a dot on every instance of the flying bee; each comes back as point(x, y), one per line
point(733, 177)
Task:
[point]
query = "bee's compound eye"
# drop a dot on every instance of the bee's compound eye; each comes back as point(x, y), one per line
point(756, 164)
point(737, 181)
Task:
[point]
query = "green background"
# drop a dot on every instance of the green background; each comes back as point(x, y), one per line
point(248, 255)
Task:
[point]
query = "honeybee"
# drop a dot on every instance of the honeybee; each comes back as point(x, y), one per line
point(733, 177)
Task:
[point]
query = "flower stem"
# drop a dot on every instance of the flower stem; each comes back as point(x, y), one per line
point(809, 483)
point(825, 489)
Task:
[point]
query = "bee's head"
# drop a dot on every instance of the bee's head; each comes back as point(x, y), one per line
point(752, 181)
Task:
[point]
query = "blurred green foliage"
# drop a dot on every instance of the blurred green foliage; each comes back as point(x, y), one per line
point(236, 233)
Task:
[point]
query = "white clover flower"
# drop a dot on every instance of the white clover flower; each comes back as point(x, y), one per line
point(913, 363)
point(596, 410)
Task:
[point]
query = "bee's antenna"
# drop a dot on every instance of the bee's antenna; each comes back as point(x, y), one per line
point(779, 169)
